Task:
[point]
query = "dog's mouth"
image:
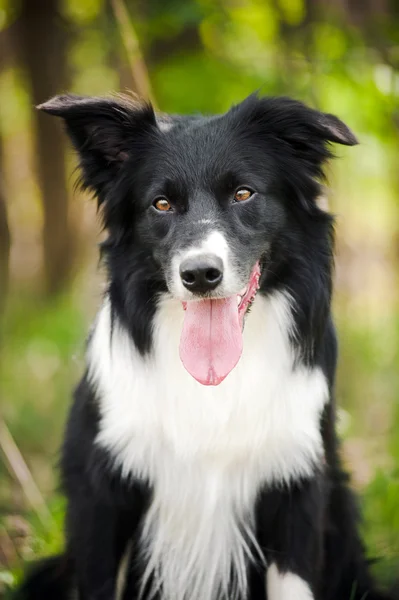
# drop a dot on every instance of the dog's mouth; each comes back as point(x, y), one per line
point(211, 340)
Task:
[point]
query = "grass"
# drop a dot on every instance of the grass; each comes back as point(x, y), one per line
point(41, 358)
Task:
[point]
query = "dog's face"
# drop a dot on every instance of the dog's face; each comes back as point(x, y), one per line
point(199, 203)
point(208, 212)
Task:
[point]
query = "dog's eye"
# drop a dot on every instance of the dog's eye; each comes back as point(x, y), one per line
point(162, 204)
point(242, 194)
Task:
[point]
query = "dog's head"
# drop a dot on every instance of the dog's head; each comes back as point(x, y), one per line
point(195, 204)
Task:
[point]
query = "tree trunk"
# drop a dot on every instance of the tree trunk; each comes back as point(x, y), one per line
point(5, 236)
point(5, 242)
point(43, 46)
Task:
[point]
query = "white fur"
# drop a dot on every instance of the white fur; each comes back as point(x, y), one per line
point(164, 124)
point(123, 571)
point(206, 450)
point(215, 243)
point(204, 222)
point(286, 586)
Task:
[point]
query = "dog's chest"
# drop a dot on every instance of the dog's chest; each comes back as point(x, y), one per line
point(206, 450)
point(264, 415)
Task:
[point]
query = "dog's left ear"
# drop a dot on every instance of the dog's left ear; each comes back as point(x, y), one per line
point(333, 129)
point(106, 132)
point(298, 137)
point(296, 124)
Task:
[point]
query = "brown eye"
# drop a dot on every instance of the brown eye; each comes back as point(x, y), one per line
point(242, 194)
point(162, 204)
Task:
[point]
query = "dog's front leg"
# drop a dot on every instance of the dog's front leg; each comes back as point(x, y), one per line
point(291, 526)
point(100, 524)
point(103, 508)
point(91, 532)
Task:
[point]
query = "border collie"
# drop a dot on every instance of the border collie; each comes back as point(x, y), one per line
point(200, 458)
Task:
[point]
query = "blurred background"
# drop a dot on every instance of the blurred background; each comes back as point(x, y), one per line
point(340, 56)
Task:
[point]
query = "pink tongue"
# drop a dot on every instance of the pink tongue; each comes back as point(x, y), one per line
point(211, 340)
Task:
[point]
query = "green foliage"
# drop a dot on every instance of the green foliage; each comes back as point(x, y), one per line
point(42, 347)
point(42, 539)
point(37, 368)
point(381, 523)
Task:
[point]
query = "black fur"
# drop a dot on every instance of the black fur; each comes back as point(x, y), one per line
point(279, 146)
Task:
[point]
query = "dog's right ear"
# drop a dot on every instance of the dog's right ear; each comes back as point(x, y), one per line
point(106, 133)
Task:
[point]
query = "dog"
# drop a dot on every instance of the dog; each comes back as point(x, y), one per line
point(200, 459)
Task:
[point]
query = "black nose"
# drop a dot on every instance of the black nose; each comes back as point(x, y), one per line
point(202, 273)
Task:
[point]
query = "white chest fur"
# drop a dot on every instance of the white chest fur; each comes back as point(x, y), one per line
point(206, 450)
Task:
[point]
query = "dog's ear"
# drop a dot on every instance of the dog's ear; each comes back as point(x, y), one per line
point(306, 126)
point(106, 132)
point(333, 129)
point(303, 128)
point(298, 137)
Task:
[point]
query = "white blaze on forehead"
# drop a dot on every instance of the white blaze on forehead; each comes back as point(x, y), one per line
point(215, 243)
point(204, 222)
point(286, 586)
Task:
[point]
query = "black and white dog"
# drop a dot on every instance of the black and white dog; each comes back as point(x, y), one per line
point(200, 460)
